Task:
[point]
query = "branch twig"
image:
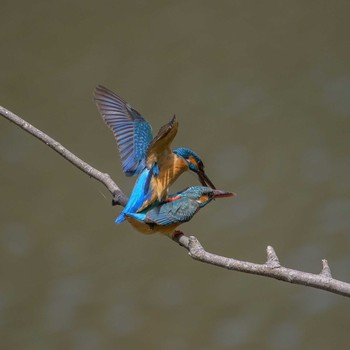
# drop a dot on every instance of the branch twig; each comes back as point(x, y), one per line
point(271, 268)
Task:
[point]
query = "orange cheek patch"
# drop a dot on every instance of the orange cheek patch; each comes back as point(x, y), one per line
point(192, 161)
point(203, 199)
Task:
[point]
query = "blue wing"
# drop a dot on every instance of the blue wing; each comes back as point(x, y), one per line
point(169, 213)
point(132, 132)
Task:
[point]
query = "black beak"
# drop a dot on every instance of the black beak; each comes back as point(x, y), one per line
point(222, 194)
point(204, 179)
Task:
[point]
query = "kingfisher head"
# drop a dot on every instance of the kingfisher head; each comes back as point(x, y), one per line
point(201, 194)
point(195, 164)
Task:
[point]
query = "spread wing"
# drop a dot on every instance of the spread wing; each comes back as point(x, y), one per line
point(161, 142)
point(131, 131)
point(169, 213)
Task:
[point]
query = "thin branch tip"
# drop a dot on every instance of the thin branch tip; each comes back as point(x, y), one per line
point(326, 270)
point(272, 258)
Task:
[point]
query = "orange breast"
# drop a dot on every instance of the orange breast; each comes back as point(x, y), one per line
point(147, 229)
point(140, 226)
point(170, 168)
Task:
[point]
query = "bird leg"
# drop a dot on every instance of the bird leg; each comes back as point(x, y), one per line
point(177, 233)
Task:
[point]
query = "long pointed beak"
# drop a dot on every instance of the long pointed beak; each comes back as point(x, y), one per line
point(223, 194)
point(204, 179)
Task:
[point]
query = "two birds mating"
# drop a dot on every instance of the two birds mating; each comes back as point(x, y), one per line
point(149, 208)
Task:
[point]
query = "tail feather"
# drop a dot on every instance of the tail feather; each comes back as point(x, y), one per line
point(120, 218)
point(140, 194)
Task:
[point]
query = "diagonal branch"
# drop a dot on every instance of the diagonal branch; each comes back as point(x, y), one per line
point(271, 268)
point(104, 178)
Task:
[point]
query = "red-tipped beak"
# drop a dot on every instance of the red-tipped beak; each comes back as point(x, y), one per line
point(223, 194)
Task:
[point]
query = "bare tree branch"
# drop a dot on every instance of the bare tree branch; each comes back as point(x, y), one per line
point(271, 268)
point(119, 196)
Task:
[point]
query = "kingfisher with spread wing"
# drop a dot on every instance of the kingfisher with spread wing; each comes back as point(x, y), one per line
point(141, 154)
point(166, 216)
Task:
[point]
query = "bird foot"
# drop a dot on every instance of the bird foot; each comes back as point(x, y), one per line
point(177, 233)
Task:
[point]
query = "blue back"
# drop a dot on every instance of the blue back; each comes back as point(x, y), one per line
point(181, 209)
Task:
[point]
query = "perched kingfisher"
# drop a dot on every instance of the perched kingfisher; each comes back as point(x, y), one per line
point(150, 158)
point(178, 208)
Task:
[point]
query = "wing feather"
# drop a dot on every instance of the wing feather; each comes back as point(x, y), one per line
point(131, 131)
point(162, 141)
point(169, 213)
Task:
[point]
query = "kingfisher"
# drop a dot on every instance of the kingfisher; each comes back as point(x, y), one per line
point(166, 216)
point(141, 154)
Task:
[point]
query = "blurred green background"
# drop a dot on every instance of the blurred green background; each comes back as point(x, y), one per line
point(262, 92)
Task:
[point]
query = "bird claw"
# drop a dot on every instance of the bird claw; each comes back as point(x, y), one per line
point(177, 233)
